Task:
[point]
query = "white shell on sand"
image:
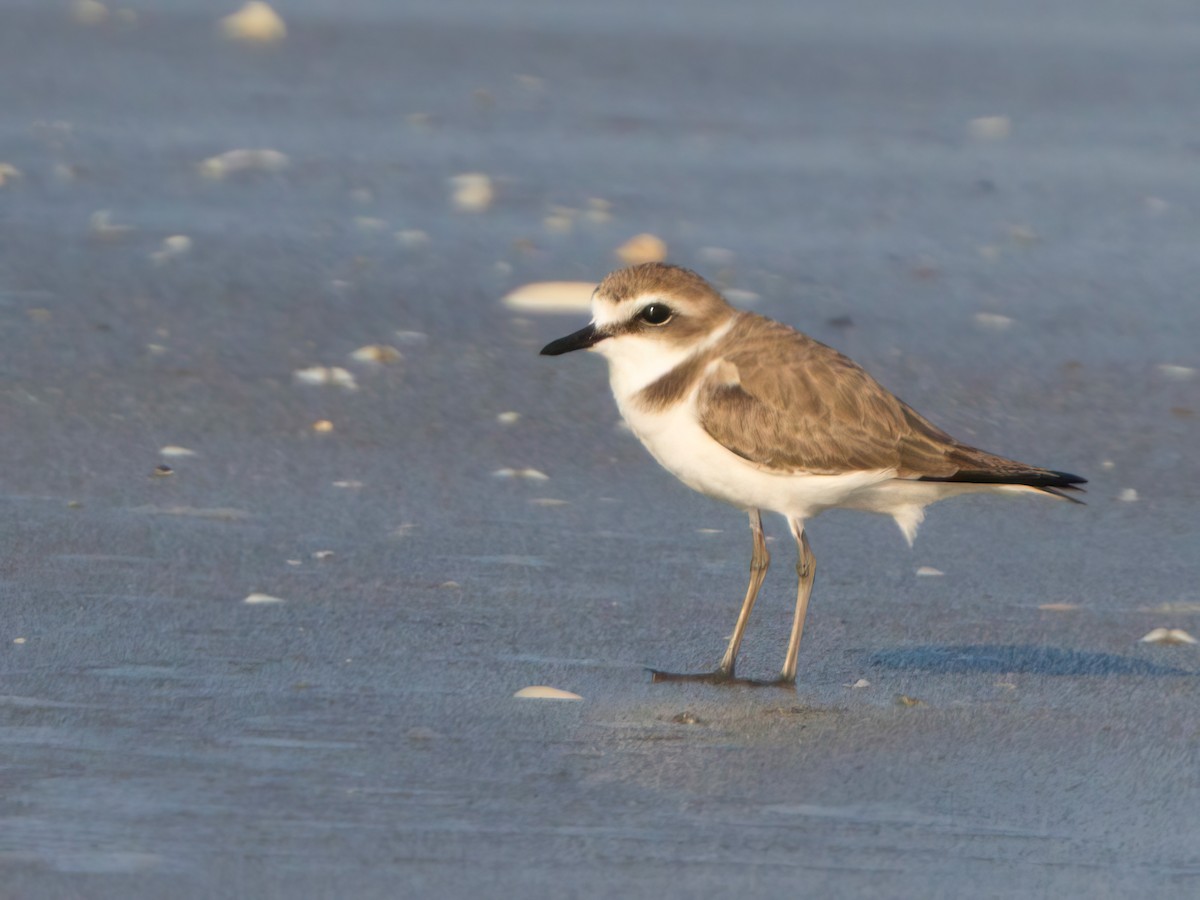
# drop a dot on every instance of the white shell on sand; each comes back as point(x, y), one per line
point(545, 692)
point(254, 23)
point(552, 297)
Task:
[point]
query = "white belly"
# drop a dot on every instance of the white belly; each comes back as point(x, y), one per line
point(676, 439)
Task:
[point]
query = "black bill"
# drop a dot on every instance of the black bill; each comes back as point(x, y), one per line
point(580, 340)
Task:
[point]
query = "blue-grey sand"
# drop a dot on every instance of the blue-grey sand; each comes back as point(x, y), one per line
point(993, 208)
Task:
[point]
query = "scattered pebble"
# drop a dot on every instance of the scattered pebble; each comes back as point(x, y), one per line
point(349, 484)
point(1167, 636)
point(1178, 373)
point(162, 471)
point(254, 23)
point(411, 238)
point(1108, 465)
point(929, 571)
point(861, 683)
point(19, 640)
point(262, 598)
point(89, 12)
point(1059, 607)
point(450, 585)
point(989, 128)
point(993, 321)
point(1129, 495)
point(508, 418)
point(905, 700)
point(708, 531)
point(175, 450)
point(331, 375)
point(471, 192)
point(376, 353)
point(321, 555)
point(294, 562)
point(422, 733)
point(234, 162)
point(545, 692)
point(642, 248)
point(8, 173)
point(324, 426)
point(547, 501)
point(687, 718)
point(552, 297)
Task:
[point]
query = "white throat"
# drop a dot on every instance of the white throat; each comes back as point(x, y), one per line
point(635, 362)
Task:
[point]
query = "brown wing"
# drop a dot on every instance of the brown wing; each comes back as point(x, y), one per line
point(784, 401)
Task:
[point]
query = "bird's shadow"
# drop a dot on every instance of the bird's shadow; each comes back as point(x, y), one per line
point(1026, 658)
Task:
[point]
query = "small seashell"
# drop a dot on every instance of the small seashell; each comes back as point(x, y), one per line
point(89, 12)
point(262, 598)
point(8, 173)
point(545, 692)
point(174, 450)
point(534, 475)
point(412, 237)
point(321, 555)
point(505, 473)
point(739, 297)
point(1128, 495)
point(716, 256)
point(323, 426)
point(471, 192)
point(254, 23)
point(348, 484)
point(552, 297)
point(599, 211)
point(234, 162)
point(993, 321)
point(1178, 373)
point(326, 375)
point(1167, 636)
point(861, 683)
point(508, 418)
point(929, 571)
point(104, 228)
point(163, 471)
point(376, 353)
point(989, 128)
point(642, 248)
point(172, 247)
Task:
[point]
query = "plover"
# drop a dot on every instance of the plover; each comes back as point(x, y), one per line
point(752, 412)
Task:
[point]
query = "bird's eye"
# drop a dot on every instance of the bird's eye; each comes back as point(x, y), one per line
point(656, 314)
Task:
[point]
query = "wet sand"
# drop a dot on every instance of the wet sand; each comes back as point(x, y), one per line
point(1027, 281)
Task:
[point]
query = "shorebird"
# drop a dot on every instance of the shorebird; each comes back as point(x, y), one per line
point(752, 412)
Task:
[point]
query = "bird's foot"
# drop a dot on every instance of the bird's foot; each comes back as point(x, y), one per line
point(719, 676)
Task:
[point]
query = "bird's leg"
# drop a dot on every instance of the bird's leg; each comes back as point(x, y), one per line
point(806, 569)
point(759, 560)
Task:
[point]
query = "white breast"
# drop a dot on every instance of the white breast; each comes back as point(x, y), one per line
point(681, 445)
